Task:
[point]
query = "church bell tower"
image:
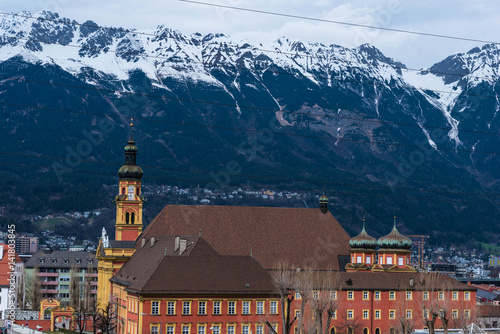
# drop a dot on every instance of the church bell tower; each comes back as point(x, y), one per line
point(129, 199)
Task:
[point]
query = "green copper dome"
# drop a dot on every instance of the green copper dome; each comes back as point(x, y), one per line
point(130, 170)
point(363, 240)
point(394, 240)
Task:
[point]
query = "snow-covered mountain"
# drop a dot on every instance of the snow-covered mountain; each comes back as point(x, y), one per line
point(322, 113)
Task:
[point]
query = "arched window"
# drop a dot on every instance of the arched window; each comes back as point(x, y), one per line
point(350, 330)
point(332, 330)
point(133, 218)
point(127, 218)
point(377, 330)
point(138, 189)
point(123, 190)
point(365, 330)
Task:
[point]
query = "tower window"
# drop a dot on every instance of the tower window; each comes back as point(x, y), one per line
point(127, 217)
point(123, 190)
point(133, 218)
point(138, 191)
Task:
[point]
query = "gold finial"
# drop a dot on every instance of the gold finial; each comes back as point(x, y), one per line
point(131, 122)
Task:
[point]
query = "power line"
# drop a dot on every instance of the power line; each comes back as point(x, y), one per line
point(241, 184)
point(183, 40)
point(260, 131)
point(340, 22)
point(321, 182)
point(325, 115)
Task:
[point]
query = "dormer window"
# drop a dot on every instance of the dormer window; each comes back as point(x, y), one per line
point(54, 260)
point(41, 260)
point(89, 261)
point(66, 260)
point(78, 261)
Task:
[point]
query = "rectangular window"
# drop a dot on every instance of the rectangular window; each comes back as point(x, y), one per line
point(350, 314)
point(441, 295)
point(350, 295)
point(186, 308)
point(201, 329)
point(245, 329)
point(246, 308)
point(392, 295)
point(230, 329)
point(401, 261)
point(315, 294)
point(454, 314)
point(426, 314)
point(454, 295)
point(215, 329)
point(333, 294)
point(408, 314)
point(389, 260)
point(231, 307)
point(297, 314)
point(377, 314)
point(466, 314)
point(466, 295)
point(274, 308)
point(334, 314)
point(368, 259)
point(185, 329)
point(366, 295)
point(154, 330)
point(170, 329)
point(392, 314)
point(216, 308)
point(260, 307)
point(377, 295)
point(425, 295)
point(408, 295)
point(366, 314)
point(358, 259)
point(170, 308)
point(259, 329)
point(202, 307)
point(297, 295)
point(155, 307)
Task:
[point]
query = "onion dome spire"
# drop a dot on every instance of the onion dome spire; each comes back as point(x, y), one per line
point(394, 240)
point(363, 240)
point(130, 170)
point(323, 202)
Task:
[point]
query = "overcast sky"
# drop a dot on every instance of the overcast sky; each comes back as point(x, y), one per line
point(476, 19)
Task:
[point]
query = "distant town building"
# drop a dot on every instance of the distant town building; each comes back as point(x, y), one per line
point(56, 269)
point(26, 244)
point(494, 261)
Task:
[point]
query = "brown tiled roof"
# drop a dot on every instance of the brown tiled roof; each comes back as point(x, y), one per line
point(302, 237)
point(199, 270)
point(367, 280)
point(488, 311)
point(5, 265)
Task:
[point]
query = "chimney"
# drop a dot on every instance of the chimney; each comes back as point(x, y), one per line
point(1, 251)
point(176, 246)
point(183, 246)
point(143, 242)
point(152, 241)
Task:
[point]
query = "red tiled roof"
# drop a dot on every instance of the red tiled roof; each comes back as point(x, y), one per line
point(301, 237)
point(5, 265)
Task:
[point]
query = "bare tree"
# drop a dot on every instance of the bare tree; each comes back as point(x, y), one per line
point(93, 313)
point(80, 317)
point(33, 290)
point(323, 305)
point(404, 324)
point(435, 305)
point(74, 287)
point(106, 321)
point(283, 278)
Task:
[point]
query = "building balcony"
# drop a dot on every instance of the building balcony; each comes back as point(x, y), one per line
point(91, 275)
point(93, 283)
point(47, 274)
point(49, 282)
point(49, 291)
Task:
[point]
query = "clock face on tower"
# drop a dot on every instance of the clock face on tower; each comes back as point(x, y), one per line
point(130, 193)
